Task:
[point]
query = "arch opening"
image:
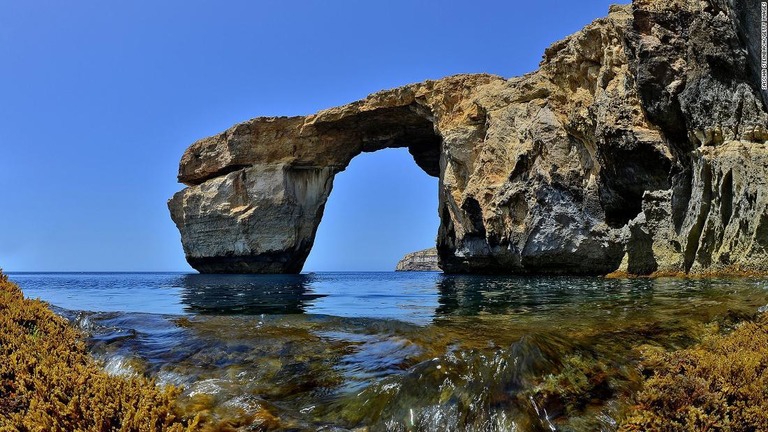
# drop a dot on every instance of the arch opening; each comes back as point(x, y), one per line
point(267, 214)
point(381, 207)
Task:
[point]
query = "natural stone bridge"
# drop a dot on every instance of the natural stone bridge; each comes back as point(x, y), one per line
point(638, 145)
point(258, 190)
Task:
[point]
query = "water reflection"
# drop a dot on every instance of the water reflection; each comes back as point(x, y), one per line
point(466, 295)
point(388, 351)
point(247, 294)
point(478, 295)
point(392, 296)
point(430, 298)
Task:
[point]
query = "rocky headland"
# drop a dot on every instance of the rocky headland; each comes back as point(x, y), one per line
point(638, 146)
point(423, 260)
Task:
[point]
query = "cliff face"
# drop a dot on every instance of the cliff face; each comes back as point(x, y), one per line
point(423, 260)
point(639, 145)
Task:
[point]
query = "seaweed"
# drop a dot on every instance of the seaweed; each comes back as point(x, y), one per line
point(48, 381)
point(720, 384)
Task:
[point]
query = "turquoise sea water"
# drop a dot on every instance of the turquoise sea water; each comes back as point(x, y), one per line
point(392, 351)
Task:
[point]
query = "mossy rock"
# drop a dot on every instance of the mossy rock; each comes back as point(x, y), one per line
point(49, 382)
point(718, 385)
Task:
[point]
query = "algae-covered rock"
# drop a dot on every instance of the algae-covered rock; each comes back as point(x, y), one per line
point(48, 381)
point(719, 384)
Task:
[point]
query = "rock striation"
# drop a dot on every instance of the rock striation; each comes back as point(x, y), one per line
point(639, 145)
point(423, 260)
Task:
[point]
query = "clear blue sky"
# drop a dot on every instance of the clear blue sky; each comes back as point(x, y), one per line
point(98, 100)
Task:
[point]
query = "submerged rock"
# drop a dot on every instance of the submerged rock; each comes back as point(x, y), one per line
point(423, 260)
point(639, 145)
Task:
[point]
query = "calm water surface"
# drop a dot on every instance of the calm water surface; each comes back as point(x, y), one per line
point(392, 351)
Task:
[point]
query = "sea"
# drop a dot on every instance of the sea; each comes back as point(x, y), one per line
point(393, 351)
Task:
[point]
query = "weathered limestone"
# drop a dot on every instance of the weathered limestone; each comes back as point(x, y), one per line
point(261, 217)
point(639, 145)
point(747, 16)
point(257, 191)
point(423, 260)
point(725, 225)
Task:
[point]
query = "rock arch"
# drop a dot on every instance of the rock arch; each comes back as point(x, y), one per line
point(256, 192)
point(620, 152)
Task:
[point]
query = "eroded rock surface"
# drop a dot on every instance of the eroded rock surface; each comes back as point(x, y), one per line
point(639, 145)
point(423, 260)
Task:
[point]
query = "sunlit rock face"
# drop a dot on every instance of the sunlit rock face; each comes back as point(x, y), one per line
point(639, 145)
point(423, 260)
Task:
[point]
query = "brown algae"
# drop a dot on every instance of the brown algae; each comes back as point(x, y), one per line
point(49, 382)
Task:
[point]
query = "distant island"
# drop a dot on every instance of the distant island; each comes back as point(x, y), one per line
point(423, 260)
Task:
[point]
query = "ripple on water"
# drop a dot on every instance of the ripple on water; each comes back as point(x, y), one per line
point(399, 351)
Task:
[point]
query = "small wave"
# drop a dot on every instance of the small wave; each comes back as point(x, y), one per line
point(119, 365)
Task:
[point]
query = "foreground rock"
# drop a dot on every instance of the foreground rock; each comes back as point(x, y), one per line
point(725, 376)
point(49, 381)
point(423, 260)
point(639, 145)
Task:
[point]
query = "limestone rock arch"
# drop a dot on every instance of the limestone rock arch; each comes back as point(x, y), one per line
point(256, 192)
point(637, 146)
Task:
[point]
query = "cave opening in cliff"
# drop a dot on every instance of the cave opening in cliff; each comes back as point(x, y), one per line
point(381, 207)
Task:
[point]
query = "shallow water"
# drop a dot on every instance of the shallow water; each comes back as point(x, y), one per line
point(393, 351)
